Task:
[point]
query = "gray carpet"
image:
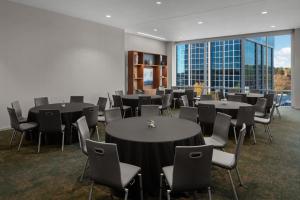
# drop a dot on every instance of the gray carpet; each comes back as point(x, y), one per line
point(270, 171)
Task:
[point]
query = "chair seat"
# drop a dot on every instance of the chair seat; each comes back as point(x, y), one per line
point(223, 159)
point(259, 114)
point(217, 143)
point(100, 113)
point(128, 172)
point(28, 126)
point(168, 171)
point(22, 119)
point(261, 120)
point(101, 118)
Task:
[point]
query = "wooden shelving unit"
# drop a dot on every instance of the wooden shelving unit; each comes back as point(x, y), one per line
point(137, 62)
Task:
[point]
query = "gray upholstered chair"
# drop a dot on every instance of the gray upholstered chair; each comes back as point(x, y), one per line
point(40, 101)
point(189, 113)
point(236, 98)
point(106, 169)
point(76, 99)
point(19, 127)
point(50, 122)
point(102, 101)
point(190, 95)
point(83, 135)
point(91, 114)
point(112, 114)
point(206, 114)
point(17, 107)
point(166, 104)
point(149, 110)
point(270, 101)
point(260, 107)
point(266, 121)
point(206, 97)
point(191, 170)
point(118, 102)
point(184, 100)
point(119, 92)
point(245, 116)
point(143, 100)
point(229, 161)
point(219, 137)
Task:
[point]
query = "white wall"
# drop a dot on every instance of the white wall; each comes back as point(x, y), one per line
point(47, 54)
point(296, 69)
point(139, 43)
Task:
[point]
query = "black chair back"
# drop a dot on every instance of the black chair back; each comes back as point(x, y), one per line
point(260, 105)
point(144, 100)
point(50, 121)
point(192, 167)
point(17, 107)
point(104, 163)
point(40, 101)
point(239, 144)
point(166, 100)
point(270, 100)
point(14, 122)
point(102, 101)
point(237, 98)
point(76, 99)
point(190, 95)
point(244, 97)
point(221, 94)
point(189, 113)
point(117, 101)
point(245, 116)
point(221, 126)
point(91, 115)
point(207, 113)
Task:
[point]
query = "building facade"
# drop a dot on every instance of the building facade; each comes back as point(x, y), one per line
point(227, 63)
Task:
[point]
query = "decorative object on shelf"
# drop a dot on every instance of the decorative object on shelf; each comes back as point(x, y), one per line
point(151, 124)
point(136, 58)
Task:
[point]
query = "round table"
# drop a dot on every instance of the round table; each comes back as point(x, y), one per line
point(69, 114)
point(252, 97)
point(152, 148)
point(133, 100)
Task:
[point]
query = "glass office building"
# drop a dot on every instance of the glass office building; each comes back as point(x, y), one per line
point(227, 63)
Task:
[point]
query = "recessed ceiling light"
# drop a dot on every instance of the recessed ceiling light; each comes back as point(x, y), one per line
point(155, 30)
point(158, 3)
point(108, 16)
point(200, 22)
point(264, 12)
point(272, 26)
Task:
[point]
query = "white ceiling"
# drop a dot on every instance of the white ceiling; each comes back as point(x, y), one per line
point(176, 20)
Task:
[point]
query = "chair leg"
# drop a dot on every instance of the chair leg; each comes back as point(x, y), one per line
point(278, 112)
point(169, 194)
point(234, 131)
point(63, 141)
point(20, 144)
point(239, 177)
point(85, 166)
point(253, 133)
point(39, 145)
point(12, 137)
point(126, 194)
point(141, 186)
point(209, 193)
point(160, 185)
point(91, 191)
point(232, 184)
point(269, 133)
point(97, 131)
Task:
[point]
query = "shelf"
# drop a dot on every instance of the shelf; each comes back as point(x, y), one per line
point(138, 78)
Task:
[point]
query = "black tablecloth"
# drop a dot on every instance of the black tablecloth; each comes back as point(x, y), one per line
point(133, 100)
point(69, 113)
point(152, 148)
point(252, 98)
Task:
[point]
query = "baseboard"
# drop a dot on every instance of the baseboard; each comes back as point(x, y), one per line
point(5, 129)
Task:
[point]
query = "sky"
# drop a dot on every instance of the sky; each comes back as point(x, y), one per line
point(282, 51)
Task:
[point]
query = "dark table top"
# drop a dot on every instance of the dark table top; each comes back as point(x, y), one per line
point(136, 96)
point(168, 129)
point(68, 108)
point(225, 105)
